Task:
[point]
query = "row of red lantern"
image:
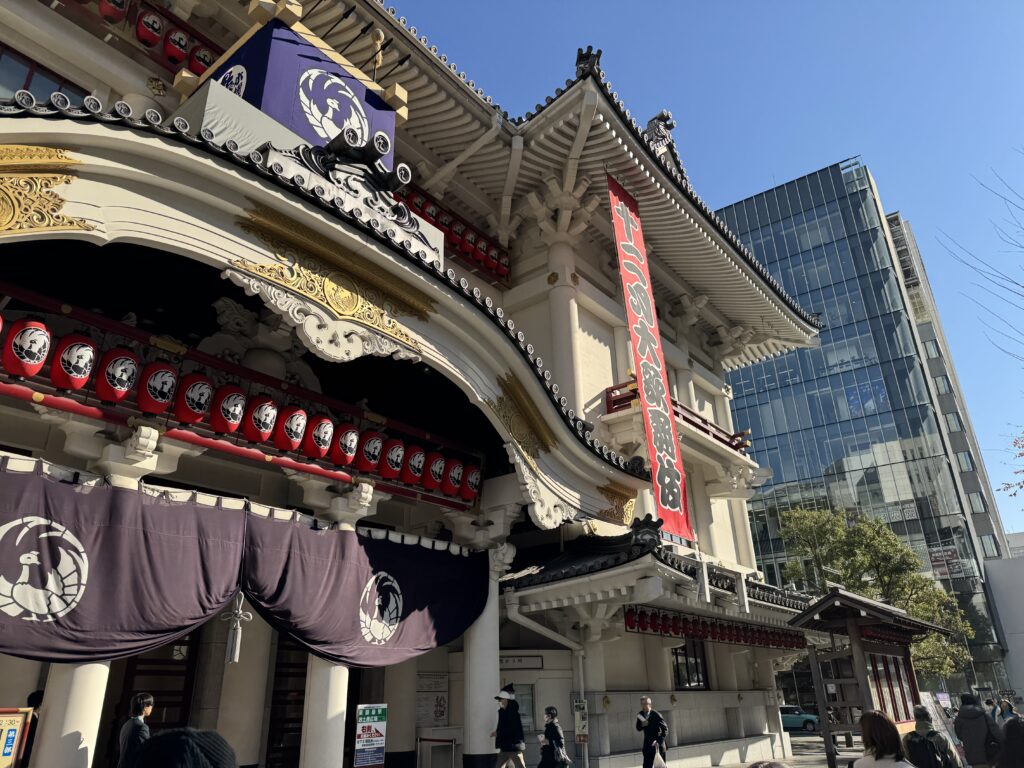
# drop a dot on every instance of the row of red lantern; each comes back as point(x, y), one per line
point(152, 28)
point(885, 636)
point(461, 238)
point(227, 409)
point(667, 623)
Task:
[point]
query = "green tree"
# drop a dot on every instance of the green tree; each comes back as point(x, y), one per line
point(867, 558)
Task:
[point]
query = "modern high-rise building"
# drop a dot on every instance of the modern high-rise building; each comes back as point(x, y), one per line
point(859, 423)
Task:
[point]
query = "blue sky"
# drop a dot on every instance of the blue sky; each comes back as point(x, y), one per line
point(928, 94)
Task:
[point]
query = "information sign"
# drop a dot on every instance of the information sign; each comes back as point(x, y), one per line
point(13, 730)
point(371, 730)
point(581, 724)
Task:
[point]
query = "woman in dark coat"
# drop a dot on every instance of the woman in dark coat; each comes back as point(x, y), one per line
point(552, 743)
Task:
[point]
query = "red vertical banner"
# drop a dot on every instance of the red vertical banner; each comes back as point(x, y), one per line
point(649, 363)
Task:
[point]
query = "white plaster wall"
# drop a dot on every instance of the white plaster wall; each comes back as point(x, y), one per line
point(705, 402)
point(1005, 578)
point(723, 534)
point(596, 344)
point(625, 663)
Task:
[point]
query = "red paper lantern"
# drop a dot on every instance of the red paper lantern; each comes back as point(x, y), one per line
point(666, 624)
point(119, 371)
point(456, 233)
point(371, 443)
point(444, 222)
point(491, 259)
point(677, 625)
point(412, 465)
point(259, 419)
point(705, 630)
point(655, 621)
point(157, 384)
point(714, 632)
point(392, 458)
point(504, 265)
point(451, 482)
point(149, 28)
point(317, 442)
point(227, 409)
point(469, 238)
point(630, 618)
point(482, 247)
point(433, 472)
point(26, 347)
point(290, 428)
point(201, 59)
point(114, 11)
point(470, 482)
point(344, 445)
point(195, 394)
point(73, 359)
point(431, 211)
point(176, 45)
point(641, 621)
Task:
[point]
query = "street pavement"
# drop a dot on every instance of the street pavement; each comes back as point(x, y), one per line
point(809, 752)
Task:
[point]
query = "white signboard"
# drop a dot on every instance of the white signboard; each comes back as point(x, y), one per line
point(432, 699)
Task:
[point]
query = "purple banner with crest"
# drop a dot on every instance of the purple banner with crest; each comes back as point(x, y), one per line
point(358, 600)
point(91, 572)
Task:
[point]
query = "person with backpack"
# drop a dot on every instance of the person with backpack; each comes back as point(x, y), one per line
point(925, 747)
point(978, 732)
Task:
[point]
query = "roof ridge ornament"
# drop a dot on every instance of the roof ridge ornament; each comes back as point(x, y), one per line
point(658, 134)
point(588, 62)
point(646, 532)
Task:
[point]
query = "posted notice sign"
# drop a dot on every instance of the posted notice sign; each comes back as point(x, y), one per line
point(13, 730)
point(649, 363)
point(371, 730)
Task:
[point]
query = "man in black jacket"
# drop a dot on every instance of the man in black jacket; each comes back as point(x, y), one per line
point(654, 728)
point(135, 731)
point(508, 736)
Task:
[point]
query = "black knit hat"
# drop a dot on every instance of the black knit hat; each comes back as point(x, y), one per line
point(186, 748)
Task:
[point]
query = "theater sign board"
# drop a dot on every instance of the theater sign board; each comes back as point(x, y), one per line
point(649, 363)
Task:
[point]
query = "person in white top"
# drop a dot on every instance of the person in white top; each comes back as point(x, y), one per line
point(882, 745)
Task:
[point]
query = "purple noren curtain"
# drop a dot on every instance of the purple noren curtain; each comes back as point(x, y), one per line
point(89, 573)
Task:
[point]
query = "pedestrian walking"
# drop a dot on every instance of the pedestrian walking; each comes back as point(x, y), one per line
point(882, 746)
point(1012, 754)
point(134, 732)
point(654, 728)
point(186, 748)
point(34, 700)
point(925, 747)
point(1006, 713)
point(508, 736)
point(978, 733)
point(552, 742)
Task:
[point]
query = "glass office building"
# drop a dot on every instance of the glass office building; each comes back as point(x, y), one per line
point(852, 425)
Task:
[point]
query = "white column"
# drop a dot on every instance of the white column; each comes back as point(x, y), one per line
point(659, 666)
point(323, 715)
point(565, 323)
point(764, 679)
point(685, 387)
point(20, 677)
point(244, 691)
point(623, 355)
point(726, 667)
point(482, 681)
point(400, 695)
point(595, 676)
point(74, 705)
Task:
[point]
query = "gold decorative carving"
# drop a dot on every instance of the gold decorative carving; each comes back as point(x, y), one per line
point(27, 200)
point(622, 501)
point(521, 417)
point(341, 294)
point(284, 235)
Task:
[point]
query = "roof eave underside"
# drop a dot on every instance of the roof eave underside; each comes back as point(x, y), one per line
point(448, 115)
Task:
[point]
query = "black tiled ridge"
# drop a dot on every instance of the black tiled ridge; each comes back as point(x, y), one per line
point(766, 593)
point(24, 105)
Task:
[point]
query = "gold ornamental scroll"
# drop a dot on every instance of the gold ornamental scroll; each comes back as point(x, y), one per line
point(28, 202)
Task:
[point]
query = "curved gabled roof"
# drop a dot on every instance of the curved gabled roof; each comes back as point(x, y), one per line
point(179, 130)
point(457, 131)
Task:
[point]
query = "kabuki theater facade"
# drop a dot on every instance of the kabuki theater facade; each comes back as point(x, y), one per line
point(325, 382)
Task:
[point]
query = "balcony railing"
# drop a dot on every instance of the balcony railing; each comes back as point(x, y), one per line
point(621, 396)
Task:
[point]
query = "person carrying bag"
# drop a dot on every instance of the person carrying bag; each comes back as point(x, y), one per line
point(552, 742)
